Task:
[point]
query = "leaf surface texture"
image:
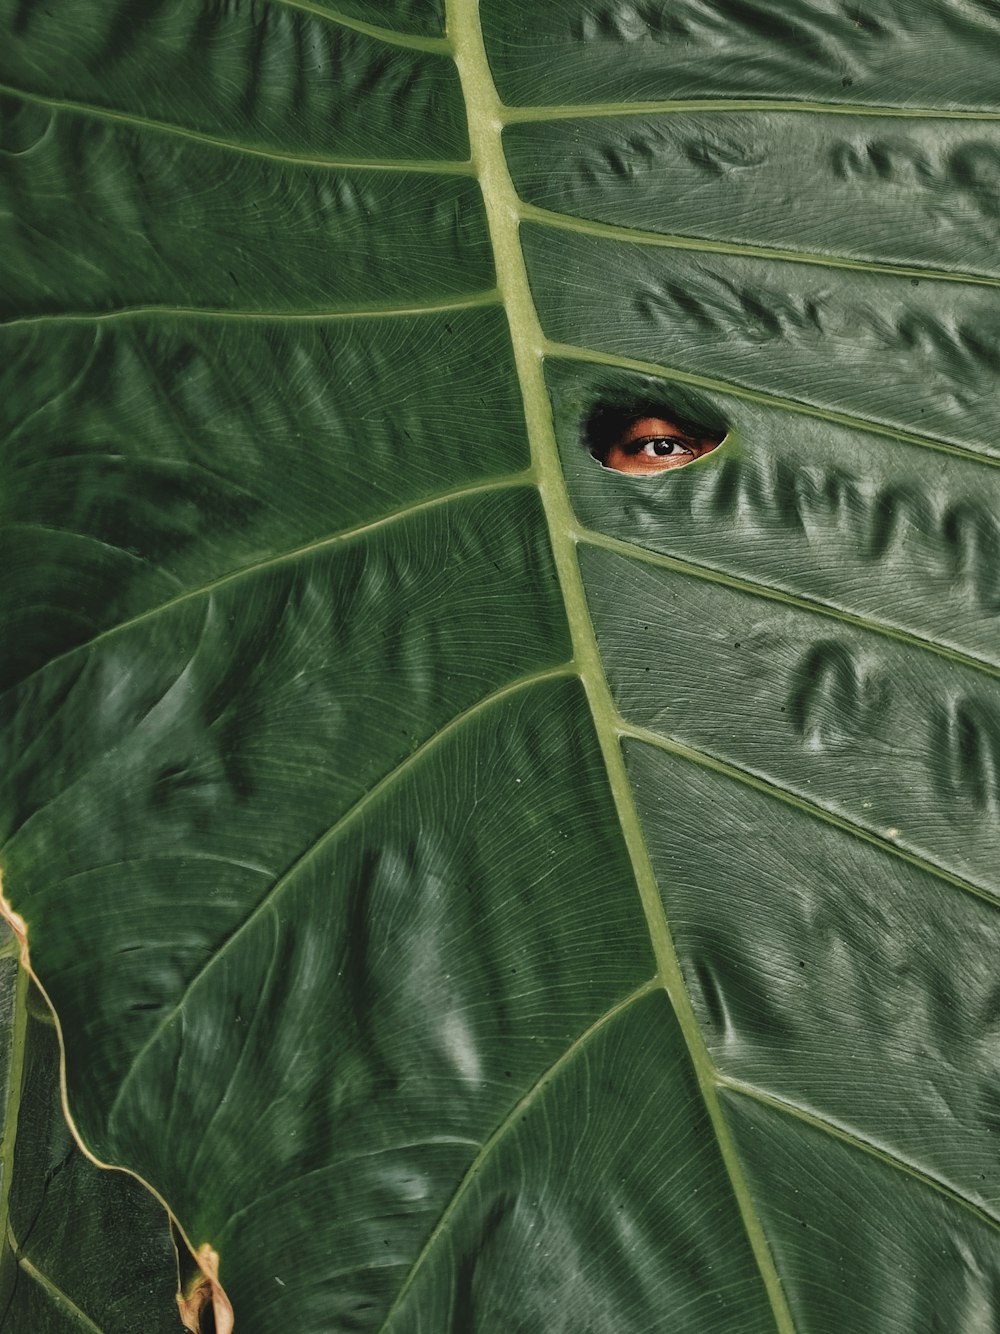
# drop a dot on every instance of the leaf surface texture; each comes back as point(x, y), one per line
point(480, 889)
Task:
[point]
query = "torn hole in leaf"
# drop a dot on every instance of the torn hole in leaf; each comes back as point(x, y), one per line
point(646, 437)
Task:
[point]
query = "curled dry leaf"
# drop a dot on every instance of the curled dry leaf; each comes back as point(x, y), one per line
point(206, 1294)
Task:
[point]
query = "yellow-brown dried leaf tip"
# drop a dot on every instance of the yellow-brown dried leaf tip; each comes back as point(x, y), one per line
point(206, 1293)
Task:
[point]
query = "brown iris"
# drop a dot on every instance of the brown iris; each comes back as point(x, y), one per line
point(654, 444)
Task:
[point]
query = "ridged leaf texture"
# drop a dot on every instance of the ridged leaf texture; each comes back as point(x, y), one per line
point(480, 890)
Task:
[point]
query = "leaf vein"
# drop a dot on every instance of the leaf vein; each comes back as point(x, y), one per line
point(510, 1120)
point(756, 588)
point(55, 1294)
point(592, 110)
point(471, 302)
point(574, 352)
point(772, 788)
point(374, 793)
point(337, 1165)
point(856, 1140)
point(61, 104)
point(345, 537)
point(484, 115)
point(705, 245)
point(431, 45)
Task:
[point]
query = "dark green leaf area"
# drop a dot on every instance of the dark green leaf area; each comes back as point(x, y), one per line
point(630, 50)
point(140, 458)
point(235, 729)
point(897, 535)
point(852, 186)
point(412, 16)
point(82, 1242)
point(918, 357)
point(8, 1020)
point(832, 974)
point(251, 75)
point(103, 219)
point(897, 740)
point(858, 1245)
point(10, 1079)
point(360, 1036)
point(602, 1206)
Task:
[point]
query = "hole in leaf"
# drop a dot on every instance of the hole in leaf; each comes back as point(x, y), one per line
point(646, 437)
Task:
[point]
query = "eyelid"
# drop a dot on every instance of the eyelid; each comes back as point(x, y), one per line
point(650, 424)
point(647, 441)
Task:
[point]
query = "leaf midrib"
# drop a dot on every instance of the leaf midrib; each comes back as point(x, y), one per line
point(559, 503)
point(502, 210)
point(580, 533)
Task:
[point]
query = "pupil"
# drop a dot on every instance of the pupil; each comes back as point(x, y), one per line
point(663, 446)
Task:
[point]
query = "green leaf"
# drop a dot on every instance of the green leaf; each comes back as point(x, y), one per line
point(83, 1250)
point(482, 890)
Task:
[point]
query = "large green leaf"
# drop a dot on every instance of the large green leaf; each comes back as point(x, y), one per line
point(481, 890)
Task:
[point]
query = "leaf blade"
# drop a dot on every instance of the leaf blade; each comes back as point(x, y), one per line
point(364, 619)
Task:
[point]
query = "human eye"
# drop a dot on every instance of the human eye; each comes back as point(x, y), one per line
point(661, 447)
point(647, 445)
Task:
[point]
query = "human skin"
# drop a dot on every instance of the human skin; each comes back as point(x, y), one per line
point(654, 444)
